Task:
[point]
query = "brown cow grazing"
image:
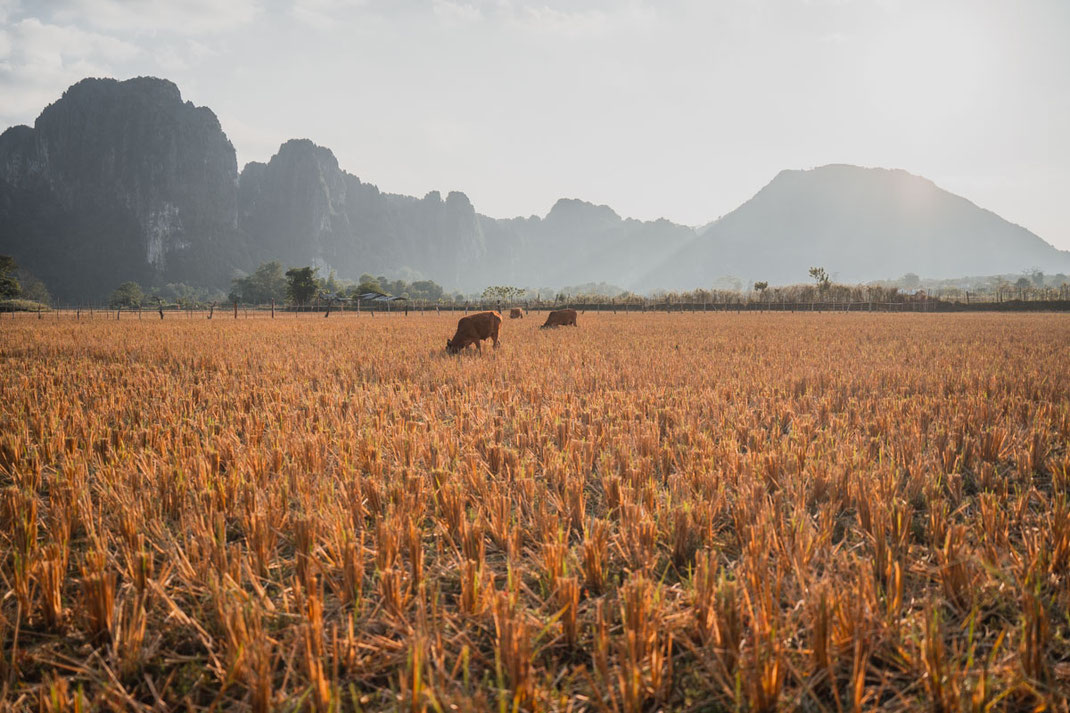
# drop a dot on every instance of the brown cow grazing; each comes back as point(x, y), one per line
point(560, 318)
point(473, 329)
point(516, 313)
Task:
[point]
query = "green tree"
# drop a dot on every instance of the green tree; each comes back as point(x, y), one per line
point(505, 293)
point(331, 284)
point(9, 284)
point(369, 283)
point(301, 284)
point(391, 287)
point(425, 290)
point(821, 277)
point(267, 283)
point(31, 288)
point(128, 294)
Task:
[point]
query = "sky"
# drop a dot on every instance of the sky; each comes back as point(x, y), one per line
point(681, 109)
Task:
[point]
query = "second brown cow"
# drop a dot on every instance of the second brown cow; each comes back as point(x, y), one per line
point(473, 329)
point(516, 313)
point(561, 318)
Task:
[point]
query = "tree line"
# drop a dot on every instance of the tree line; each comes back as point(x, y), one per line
point(272, 283)
point(19, 288)
point(301, 286)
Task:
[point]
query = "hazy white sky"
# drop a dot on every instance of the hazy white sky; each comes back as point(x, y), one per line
point(680, 109)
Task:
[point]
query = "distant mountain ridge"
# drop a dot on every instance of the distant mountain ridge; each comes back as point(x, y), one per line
point(834, 216)
point(121, 180)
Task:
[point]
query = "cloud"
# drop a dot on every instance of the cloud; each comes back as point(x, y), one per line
point(583, 23)
point(183, 55)
point(834, 38)
point(573, 18)
point(44, 48)
point(456, 13)
point(55, 44)
point(8, 9)
point(38, 61)
point(185, 17)
point(323, 14)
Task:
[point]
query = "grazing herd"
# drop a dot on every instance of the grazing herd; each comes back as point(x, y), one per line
point(475, 328)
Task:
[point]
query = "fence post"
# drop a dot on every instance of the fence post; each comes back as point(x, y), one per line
point(273, 308)
point(235, 309)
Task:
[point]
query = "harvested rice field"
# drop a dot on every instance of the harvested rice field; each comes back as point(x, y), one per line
point(677, 512)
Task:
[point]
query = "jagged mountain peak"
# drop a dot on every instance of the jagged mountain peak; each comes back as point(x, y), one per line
point(120, 179)
point(146, 87)
point(573, 210)
point(458, 200)
point(297, 149)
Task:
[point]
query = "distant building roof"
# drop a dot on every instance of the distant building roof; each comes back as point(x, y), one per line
point(377, 297)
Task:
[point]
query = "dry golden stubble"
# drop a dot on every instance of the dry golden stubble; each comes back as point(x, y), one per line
point(373, 500)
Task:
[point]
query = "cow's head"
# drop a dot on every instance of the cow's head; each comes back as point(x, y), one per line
point(450, 348)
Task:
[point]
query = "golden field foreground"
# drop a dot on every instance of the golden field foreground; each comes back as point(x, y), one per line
point(817, 512)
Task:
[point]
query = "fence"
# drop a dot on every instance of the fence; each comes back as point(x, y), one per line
point(241, 311)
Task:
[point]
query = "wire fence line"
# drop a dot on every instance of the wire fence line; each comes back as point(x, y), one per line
point(247, 311)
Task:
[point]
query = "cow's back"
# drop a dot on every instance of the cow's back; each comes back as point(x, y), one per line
point(480, 325)
point(561, 317)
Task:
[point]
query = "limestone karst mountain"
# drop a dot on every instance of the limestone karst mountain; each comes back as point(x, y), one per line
point(301, 208)
point(123, 180)
point(120, 181)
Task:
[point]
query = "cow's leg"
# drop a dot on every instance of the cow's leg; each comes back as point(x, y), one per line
point(494, 334)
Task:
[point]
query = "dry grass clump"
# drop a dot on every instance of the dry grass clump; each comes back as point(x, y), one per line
point(653, 512)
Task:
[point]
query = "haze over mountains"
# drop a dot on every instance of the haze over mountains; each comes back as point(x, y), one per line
point(862, 224)
point(124, 181)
